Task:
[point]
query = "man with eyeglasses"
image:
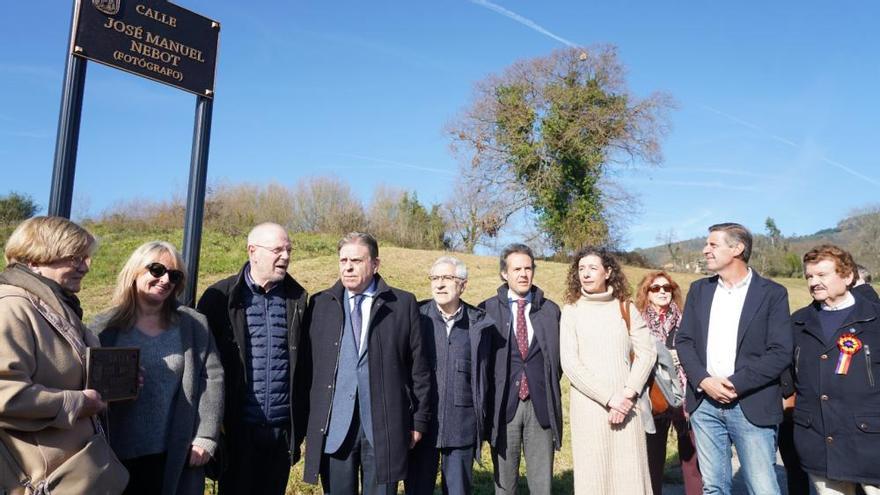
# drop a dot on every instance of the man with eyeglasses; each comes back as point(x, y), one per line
point(256, 317)
point(371, 385)
point(458, 343)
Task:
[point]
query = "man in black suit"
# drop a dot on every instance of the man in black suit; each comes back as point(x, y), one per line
point(527, 411)
point(734, 342)
point(371, 384)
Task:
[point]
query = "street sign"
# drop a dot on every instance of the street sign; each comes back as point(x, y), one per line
point(155, 39)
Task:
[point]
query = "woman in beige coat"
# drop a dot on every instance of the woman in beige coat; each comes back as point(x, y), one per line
point(50, 438)
point(607, 365)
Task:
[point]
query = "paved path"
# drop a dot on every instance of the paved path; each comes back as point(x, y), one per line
point(739, 486)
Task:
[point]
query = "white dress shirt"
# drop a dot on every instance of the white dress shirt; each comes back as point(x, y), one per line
point(727, 306)
point(513, 297)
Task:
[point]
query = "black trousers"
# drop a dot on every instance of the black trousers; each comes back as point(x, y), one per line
point(356, 458)
point(456, 469)
point(145, 474)
point(797, 480)
point(259, 462)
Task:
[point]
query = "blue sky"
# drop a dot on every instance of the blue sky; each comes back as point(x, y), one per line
point(777, 101)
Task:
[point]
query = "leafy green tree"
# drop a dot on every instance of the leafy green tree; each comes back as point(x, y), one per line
point(554, 127)
point(15, 207)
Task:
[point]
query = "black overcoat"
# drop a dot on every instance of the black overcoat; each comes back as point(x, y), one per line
point(400, 379)
point(837, 416)
point(544, 316)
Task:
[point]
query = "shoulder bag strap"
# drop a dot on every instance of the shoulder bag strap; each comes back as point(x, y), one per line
point(624, 313)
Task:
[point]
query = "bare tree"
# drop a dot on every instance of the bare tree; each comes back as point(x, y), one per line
point(478, 208)
point(326, 204)
point(670, 240)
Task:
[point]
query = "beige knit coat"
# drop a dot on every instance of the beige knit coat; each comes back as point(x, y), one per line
point(595, 354)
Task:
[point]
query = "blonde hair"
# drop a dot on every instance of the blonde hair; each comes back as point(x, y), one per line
point(123, 312)
point(44, 240)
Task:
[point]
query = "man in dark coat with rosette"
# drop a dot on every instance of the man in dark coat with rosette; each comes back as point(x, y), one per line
point(836, 369)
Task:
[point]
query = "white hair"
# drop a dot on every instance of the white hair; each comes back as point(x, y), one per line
point(461, 270)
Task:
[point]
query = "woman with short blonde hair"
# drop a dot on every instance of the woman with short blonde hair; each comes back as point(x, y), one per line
point(50, 434)
point(170, 431)
point(43, 240)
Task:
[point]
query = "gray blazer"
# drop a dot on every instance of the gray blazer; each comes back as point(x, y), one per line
point(198, 408)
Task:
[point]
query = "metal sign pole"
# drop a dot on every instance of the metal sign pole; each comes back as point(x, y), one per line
point(195, 198)
point(61, 194)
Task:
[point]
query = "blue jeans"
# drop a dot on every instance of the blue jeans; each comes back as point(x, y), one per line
point(715, 427)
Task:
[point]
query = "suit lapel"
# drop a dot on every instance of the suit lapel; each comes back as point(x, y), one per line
point(754, 298)
point(707, 294)
point(538, 337)
point(239, 323)
point(378, 302)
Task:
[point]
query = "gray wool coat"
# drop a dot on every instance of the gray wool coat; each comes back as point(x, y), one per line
point(198, 408)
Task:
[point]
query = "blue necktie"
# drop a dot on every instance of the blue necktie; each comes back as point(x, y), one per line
point(357, 321)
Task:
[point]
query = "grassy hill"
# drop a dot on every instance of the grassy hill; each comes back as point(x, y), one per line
point(314, 265)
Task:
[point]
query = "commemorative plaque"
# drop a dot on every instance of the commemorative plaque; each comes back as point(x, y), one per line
point(113, 372)
point(155, 39)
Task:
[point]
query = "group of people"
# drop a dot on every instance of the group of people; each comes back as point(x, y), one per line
point(380, 388)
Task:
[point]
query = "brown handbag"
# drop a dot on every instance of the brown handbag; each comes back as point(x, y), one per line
point(659, 404)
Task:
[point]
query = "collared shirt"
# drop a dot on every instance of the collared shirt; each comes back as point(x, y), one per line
point(449, 320)
point(727, 306)
point(847, 302)
point(366, 305)
point(831, 318)
point(512, 298)
point(254, 286)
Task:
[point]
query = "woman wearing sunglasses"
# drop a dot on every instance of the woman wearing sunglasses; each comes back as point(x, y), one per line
point(659, 301)
point(167, 435)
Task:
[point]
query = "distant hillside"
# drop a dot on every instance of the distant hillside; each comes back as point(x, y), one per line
point(859, 234)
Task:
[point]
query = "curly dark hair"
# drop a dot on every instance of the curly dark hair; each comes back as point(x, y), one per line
point(617, 280)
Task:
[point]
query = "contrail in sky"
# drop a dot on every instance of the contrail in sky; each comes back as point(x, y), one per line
point(524, 21)
point(791, 143)
point(397, 164)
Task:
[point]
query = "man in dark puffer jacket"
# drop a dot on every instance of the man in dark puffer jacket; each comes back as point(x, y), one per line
point(256, 318)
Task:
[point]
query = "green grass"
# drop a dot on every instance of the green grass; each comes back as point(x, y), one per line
point(314, 266)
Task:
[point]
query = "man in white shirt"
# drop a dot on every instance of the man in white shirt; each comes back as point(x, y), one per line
point(734, 343)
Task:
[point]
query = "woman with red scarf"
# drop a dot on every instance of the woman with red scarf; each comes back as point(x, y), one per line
point(659, 301)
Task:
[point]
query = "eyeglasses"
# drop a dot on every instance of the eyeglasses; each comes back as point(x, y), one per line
point(157, 270)
point(657, 288)
point(445, 278)
point(276, 250)
point(77, 261)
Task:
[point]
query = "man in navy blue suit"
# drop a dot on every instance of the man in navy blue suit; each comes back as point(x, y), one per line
point(734, 342)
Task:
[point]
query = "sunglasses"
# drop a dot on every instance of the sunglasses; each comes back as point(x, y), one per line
point(658, 288)
point(158, 270)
